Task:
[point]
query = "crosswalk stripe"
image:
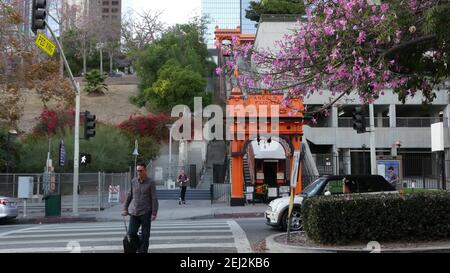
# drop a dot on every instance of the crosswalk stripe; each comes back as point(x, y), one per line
point(17, 231)
point(107, 237)
point(114, 248)
point(114, 233)
point(65, 226)
point(114, 239)
point(122, 228)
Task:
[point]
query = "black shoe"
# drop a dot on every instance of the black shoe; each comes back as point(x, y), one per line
point(184, 202)
point(179, 202)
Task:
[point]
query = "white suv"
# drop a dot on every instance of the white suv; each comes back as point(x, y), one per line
point(277, 213)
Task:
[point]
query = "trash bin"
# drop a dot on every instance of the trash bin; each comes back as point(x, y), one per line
point(53, 205)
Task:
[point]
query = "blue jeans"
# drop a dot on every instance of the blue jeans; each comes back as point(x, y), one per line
point(145, 221)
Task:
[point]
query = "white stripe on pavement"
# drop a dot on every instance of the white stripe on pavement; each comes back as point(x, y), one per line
point(64, 226)
point(115, 233)
point(119, 228)
point(115, 239)
point(17, 231)
point(240, 239)
point(115, 248)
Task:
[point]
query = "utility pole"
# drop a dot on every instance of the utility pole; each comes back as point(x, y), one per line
point(373, 156)
point(169, 179)
point(76, 162)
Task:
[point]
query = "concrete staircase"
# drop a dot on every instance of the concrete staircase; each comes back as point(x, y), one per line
point(216, 154)
point(191, 194)
point(247, 178)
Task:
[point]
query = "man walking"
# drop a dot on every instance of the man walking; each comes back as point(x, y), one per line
point(183, 180)
point(142, 206)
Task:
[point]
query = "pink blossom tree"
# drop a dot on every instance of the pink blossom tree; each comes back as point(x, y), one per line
point(355, 46)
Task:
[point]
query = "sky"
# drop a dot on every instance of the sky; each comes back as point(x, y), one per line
point(174, 11)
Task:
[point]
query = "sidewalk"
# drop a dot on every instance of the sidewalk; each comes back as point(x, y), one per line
point(277, 244)
point(195, 209)
point(168, 210)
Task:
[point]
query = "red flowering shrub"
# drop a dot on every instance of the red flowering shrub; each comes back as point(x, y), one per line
point(51, 122)
point(151, 125)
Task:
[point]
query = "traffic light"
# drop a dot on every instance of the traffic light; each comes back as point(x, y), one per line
point(89, 125)
point(359, 120)
point(38, 15)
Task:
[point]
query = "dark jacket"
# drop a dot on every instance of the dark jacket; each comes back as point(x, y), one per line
point(183, 180)
point(142, 198)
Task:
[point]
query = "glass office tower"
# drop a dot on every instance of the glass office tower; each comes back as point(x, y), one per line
point(226, 14)
point(247, 26)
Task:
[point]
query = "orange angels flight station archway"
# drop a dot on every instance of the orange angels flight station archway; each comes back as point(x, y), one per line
point(264, 136)
point(262, 120)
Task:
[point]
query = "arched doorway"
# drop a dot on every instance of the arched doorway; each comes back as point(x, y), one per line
point(265, 169)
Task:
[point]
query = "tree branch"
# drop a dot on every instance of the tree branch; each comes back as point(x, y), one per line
point(419, 40)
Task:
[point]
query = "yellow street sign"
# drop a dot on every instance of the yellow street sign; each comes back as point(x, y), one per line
point(45, 44)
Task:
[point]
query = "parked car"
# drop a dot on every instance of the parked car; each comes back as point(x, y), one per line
point(8, 208)
point(277, 212)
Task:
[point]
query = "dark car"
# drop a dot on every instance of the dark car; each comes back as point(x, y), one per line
point(276, 214)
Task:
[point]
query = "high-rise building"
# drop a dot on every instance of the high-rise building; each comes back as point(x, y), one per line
point(247, 26)
point(226, 14)
point(111, 14)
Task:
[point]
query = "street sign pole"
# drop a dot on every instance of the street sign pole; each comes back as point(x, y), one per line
point(373, 156)
point(76, 152)
point(294, 177)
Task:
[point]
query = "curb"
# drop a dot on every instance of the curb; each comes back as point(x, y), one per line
point(65, 219)
point(226, 216)
point(275, 247)
point(54, 220)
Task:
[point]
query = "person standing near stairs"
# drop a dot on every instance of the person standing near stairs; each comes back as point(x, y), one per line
point(182, 182)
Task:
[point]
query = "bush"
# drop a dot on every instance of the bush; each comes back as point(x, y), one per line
point(384, 217)
point(13, 148)
point(52, 122)
point(150, 126)
point(95, 83)
point(111, 151)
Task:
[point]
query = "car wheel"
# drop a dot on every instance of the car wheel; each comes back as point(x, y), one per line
point(296, 223)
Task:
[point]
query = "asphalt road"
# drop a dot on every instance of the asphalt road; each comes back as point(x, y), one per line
point(244, 235)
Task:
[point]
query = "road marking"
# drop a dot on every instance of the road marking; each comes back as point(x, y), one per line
point(123, 228)
point(222, 232)
point(116, 248)
point(115, 239)
point(17, 231)
point(240, 239)
point(66, 226)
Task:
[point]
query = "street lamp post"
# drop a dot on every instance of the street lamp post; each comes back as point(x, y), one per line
point(10, 133)
point(364, 158)
point(135, 154)
point(170, 126)
point(100, 47)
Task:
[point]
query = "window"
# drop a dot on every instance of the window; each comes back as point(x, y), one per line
point(373, 184)
point(105, 10)
point(115, 3)
point(114, 10)
point(334, 186)
point(105, 3)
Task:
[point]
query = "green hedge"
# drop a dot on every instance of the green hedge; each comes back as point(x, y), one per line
point(381, 217)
